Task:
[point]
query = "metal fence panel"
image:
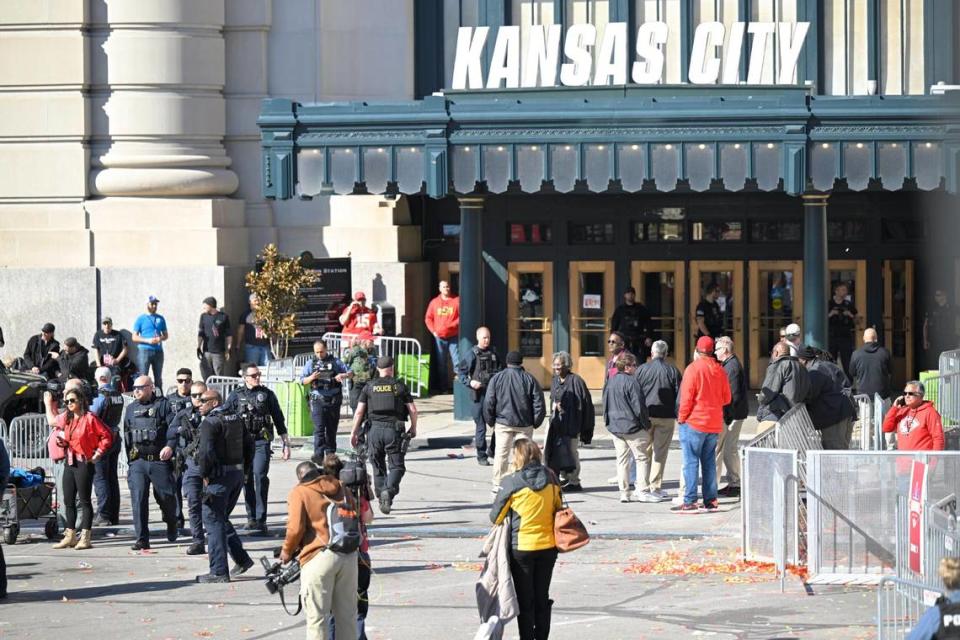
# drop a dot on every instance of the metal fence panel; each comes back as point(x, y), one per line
point(863, 430)
point(852, 506)
point(26, 440)
point(395, 347)
point(885, 441)
point(795, 431)
point(900, 604)
point(759, 470)
point(224, 385)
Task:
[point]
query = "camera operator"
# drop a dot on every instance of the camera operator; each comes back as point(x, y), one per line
point(188, 466)
point(360, 488)
point(323, 375)
point(225, 449)
point(328, 579)
point(108, 406)
point(389, 403)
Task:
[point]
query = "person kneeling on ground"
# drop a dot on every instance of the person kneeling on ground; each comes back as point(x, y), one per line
point(532, 496)
point(328, 578)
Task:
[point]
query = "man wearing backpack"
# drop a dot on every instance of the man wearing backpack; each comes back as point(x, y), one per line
point(323, 529)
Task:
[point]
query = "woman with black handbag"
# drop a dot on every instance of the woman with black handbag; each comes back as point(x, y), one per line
point(531, 496)
point(571, 424)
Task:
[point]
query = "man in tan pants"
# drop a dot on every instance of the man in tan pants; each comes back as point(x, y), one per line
point(514, 407)
point(660, 382)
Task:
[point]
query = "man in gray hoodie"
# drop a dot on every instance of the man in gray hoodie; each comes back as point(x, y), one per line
point(625, 415)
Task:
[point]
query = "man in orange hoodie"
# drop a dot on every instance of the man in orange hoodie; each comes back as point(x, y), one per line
point(704, 391)
point(915, 420)
point(328, 579)
point(443, 321)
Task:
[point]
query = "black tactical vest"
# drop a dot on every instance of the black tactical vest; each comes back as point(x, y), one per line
point(326, 379)
point(486, 365)
point(112, 411)
point(949, 620)
point(147, 431)
point(189, 433)
point(383, 400)
point(233, 435)
point(253, 406)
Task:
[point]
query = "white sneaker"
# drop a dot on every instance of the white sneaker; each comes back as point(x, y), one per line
point(624, 496)
point(677, 500)
point(613, 480)
point(645, 496)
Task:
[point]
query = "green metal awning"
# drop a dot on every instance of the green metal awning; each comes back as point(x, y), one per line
point(612, 140)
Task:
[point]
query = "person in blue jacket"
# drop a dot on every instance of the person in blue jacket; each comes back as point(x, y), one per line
point(942, 620)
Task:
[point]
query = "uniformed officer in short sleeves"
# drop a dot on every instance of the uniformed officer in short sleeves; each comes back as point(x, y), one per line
point(388, 403)
point(150, 438)
point(323, 376)
point(225, 449)
point(180, 401)
point(262, 415)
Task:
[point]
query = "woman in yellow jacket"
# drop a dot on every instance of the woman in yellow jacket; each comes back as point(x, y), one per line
point(531, 496)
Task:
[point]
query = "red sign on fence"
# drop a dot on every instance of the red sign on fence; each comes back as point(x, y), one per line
point(918, 495)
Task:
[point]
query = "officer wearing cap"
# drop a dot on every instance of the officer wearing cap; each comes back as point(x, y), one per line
point(225, 449)
point(150, 437)
point(180, 402)
point(261, 413)
point(323, 375)
point(388, 403)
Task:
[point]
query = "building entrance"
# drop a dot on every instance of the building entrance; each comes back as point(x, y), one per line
point(592, 301)
point(727, 275)
point(898, 318)
point(661, 288)
point(776, 300)
point(529, 314)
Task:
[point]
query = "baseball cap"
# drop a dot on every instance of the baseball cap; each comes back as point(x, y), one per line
point(384, 362)
point(359, 295)
point(705, 345)
point(152, 299)
point(48, 328)
point(793, 329)
point(514, 358)
point(107, 320)
point(808, 353)
point(211, 301)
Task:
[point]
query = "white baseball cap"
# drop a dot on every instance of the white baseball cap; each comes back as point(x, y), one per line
point(793, 329)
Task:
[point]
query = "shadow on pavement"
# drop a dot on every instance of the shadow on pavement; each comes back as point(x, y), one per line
point(50, 595)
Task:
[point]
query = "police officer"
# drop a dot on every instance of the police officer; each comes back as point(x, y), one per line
point(261, 413)
point(389, 403)
point(108, 406)
point(180, 401)
point(225, 450)
point(188, 450)
point(476, 369)
point(323, 375)
point(150, 436)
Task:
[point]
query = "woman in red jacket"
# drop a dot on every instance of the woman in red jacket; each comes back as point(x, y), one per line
point(85, 439)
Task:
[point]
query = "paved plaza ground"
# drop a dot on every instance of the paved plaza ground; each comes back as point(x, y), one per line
point(647, 573)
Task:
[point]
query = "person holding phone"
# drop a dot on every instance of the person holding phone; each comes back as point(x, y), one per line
point(916, 421)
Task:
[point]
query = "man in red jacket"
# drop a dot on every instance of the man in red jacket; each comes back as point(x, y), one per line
point(443, 321)
point(358, 319)
point(915, 420)
point(704, 391)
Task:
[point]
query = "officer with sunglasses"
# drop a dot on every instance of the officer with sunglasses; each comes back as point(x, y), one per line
point(260, 410)
point(188, 445)
point(179, 402)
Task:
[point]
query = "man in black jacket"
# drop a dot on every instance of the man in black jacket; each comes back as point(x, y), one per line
point(39, 348)
point(573, 415)
point(660, 382)
point(634, 322)
point(870, 367)
point(625, 415)
point(513, 406)
point(785, 385)
point(828, 402)
point(733, 417)
point(477, 367)
point(74, 361)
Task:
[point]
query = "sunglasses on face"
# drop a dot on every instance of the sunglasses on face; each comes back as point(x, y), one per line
point(183, 380)
point(206, 400)
point(253, 375)
point(140, 387)
point(72, 401)
point(196, 395)
point(915, 394)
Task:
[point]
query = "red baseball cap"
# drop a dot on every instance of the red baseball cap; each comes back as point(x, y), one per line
point(359, 295)
point(705, 345)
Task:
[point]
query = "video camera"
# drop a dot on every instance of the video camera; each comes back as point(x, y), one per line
point(279, 575)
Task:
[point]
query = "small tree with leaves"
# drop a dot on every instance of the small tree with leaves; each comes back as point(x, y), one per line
point(277, 285)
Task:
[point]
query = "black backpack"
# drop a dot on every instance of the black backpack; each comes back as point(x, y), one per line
point(343, 525)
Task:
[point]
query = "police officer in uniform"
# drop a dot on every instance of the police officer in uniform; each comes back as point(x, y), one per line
point(388, 403)
point(261, 413)
point(108, 406)
point(225, 450)
point(187, 461)
point(323, 375)
point(150, 436)
point(180, 401)
point(476, 369)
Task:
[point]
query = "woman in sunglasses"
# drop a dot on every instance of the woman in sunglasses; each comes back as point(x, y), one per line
point(85, 438)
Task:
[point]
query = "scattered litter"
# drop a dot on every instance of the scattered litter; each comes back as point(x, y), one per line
point(592, 523)
point(85, 565)
point(455, 456)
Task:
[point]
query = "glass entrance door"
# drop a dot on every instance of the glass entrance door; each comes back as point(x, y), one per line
point(592, 302)
point(450, 271)
point(898, 318)
point(776, 300)
point(660, 288)
point(727, 275)
point(853, 275)
point(529, 314)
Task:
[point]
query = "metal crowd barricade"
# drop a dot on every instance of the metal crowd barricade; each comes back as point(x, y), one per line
point(900, 605)
point(760, 471)
point(224, 384)
point(395, 347)
point(284, 369)
point(864, 433)
point(880, 409)
point(941, 539)
point(26, 440)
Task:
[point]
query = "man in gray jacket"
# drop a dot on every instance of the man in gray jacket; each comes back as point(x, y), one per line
point(625, 414)
point(829, 401)
point(785, 385)
point(660, 382)
point(513, 406)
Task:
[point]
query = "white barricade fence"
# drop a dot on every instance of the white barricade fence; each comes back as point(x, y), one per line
point(900, 605)
point(940, 539)
point(26, 440)
point(852, 509)
point(885, 441)
point(760, 471)
point(394, 347)
point(224, 384)
point(284, 369)
point(863, 435)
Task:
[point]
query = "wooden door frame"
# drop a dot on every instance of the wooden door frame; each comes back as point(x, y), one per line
point(695, 268)
point(758, 360)
point(591, 369)
point(860, 296)
point(888, 327)
point(541, 368)
point(445, 268)
point(679, 269)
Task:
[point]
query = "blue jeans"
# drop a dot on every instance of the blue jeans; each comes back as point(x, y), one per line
point(257, 355)
point(151, 357)
point(699, 452)
point(222, 494)
point(443, 346)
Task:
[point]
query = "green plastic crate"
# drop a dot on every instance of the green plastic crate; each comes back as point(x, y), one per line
point(411, 369)
point(931, 385)
point(296, 409)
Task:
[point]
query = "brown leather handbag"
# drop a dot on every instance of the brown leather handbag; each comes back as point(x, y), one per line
point(568, 530)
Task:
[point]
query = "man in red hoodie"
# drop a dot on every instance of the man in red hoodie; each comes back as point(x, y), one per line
point(704, 391)
point(915, 420)
point(443, 321)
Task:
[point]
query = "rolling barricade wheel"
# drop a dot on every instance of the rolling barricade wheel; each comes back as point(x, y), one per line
point(10, 534)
